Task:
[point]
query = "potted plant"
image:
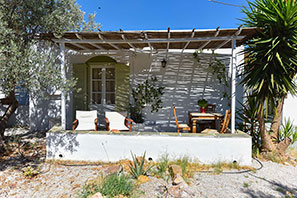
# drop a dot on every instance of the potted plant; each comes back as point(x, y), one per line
point(202, 103)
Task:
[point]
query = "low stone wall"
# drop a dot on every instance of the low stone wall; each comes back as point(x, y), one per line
point(106, 147)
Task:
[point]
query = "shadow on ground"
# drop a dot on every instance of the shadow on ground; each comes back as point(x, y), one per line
point(277, 187)
point(28, 148)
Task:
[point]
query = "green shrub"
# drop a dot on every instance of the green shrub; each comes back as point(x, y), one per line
point(30, 171)
point(162, 166)
point(137, 167)
point(115, 185)
point(112, 185)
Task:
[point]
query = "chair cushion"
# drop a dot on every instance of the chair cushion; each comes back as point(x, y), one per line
point(116, 121)
point(86, 120)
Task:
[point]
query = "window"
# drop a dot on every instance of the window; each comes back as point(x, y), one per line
point(103, 85)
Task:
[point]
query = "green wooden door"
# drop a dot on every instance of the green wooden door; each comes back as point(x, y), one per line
point(81, 99)
point(122, 87)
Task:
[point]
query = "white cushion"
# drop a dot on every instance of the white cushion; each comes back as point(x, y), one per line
point(116, 121)
point(86, 120)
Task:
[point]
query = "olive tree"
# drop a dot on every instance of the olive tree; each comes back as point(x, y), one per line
point(23, 63)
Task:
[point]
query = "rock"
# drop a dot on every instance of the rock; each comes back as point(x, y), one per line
point(209, 131)
point(142, 179)
point(185, 189)
point(178, 179)
point(175, 170)
point(125, 164)
point(97, 195)
point(113, 169)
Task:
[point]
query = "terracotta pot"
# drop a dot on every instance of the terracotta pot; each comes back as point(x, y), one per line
point(202, 110)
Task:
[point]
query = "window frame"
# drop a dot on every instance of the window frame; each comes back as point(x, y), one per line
point(104, 66)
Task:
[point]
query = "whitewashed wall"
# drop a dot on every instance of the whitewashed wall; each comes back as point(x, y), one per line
point(290, 109)
point(185, 81)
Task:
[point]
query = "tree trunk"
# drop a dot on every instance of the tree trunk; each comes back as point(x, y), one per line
point(13, 105)
point(276, 123)
point(283, 145)
point(267, 144)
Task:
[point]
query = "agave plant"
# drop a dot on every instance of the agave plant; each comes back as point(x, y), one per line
point(137, 167)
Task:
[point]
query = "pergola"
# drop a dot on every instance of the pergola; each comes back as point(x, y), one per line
point(156, 40)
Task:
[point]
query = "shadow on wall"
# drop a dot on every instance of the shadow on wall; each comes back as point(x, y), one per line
point(44, 113)
point(64, 141)
point(185, 81)
point(20, 116)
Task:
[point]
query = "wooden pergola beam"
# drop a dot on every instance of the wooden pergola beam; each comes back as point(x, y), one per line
point(205, 44)
point(105, 41)
point(187, 44)
point(226, 41)
point(81, 38)
point(146, 38)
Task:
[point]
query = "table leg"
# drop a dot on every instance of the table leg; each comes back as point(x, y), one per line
point(194, 127)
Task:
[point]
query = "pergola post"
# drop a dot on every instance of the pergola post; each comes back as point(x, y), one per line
point(63, 94)
point(233, 86)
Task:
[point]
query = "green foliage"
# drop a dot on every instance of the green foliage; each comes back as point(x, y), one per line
point(136, 114)
point(147, 93)
point(25, 60)
point(113, 185)
point(202, 103)
point(218, 69)
point(137, 167)
point(288, 131)
point(162, 166)
point(271, 61)
point(245, 184)
point(30, 171)
point(247, 114)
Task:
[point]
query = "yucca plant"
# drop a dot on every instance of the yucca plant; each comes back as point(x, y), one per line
point(288, 131)
point(137, 167)
point(247, 114)
point(271, 61)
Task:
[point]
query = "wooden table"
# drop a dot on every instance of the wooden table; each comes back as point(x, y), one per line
point(196, 116)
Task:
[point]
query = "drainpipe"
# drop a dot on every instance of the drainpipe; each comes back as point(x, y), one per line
point(63, 94)
point(233, 86)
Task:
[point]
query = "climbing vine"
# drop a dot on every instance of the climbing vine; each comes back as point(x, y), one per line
point(146, 93)
point(218, 69)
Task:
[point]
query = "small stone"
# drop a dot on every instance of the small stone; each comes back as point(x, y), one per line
point(113, 169)
point(97, 195)
point(142, 179)
point(178, 180)
point(175, 170)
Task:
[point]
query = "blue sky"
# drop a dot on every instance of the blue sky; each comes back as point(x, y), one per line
point(161, 14)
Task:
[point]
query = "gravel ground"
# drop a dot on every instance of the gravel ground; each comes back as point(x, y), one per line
point(54, 180)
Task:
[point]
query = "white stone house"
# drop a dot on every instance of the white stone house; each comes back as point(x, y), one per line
point(127, 58)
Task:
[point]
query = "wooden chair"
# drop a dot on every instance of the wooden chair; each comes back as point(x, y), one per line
point(183, 127)
point(117, 122)
point(225, 122)
point(85, 121)
point(211, 108)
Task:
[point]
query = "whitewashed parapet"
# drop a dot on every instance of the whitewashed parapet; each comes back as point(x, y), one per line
point(107, 147)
